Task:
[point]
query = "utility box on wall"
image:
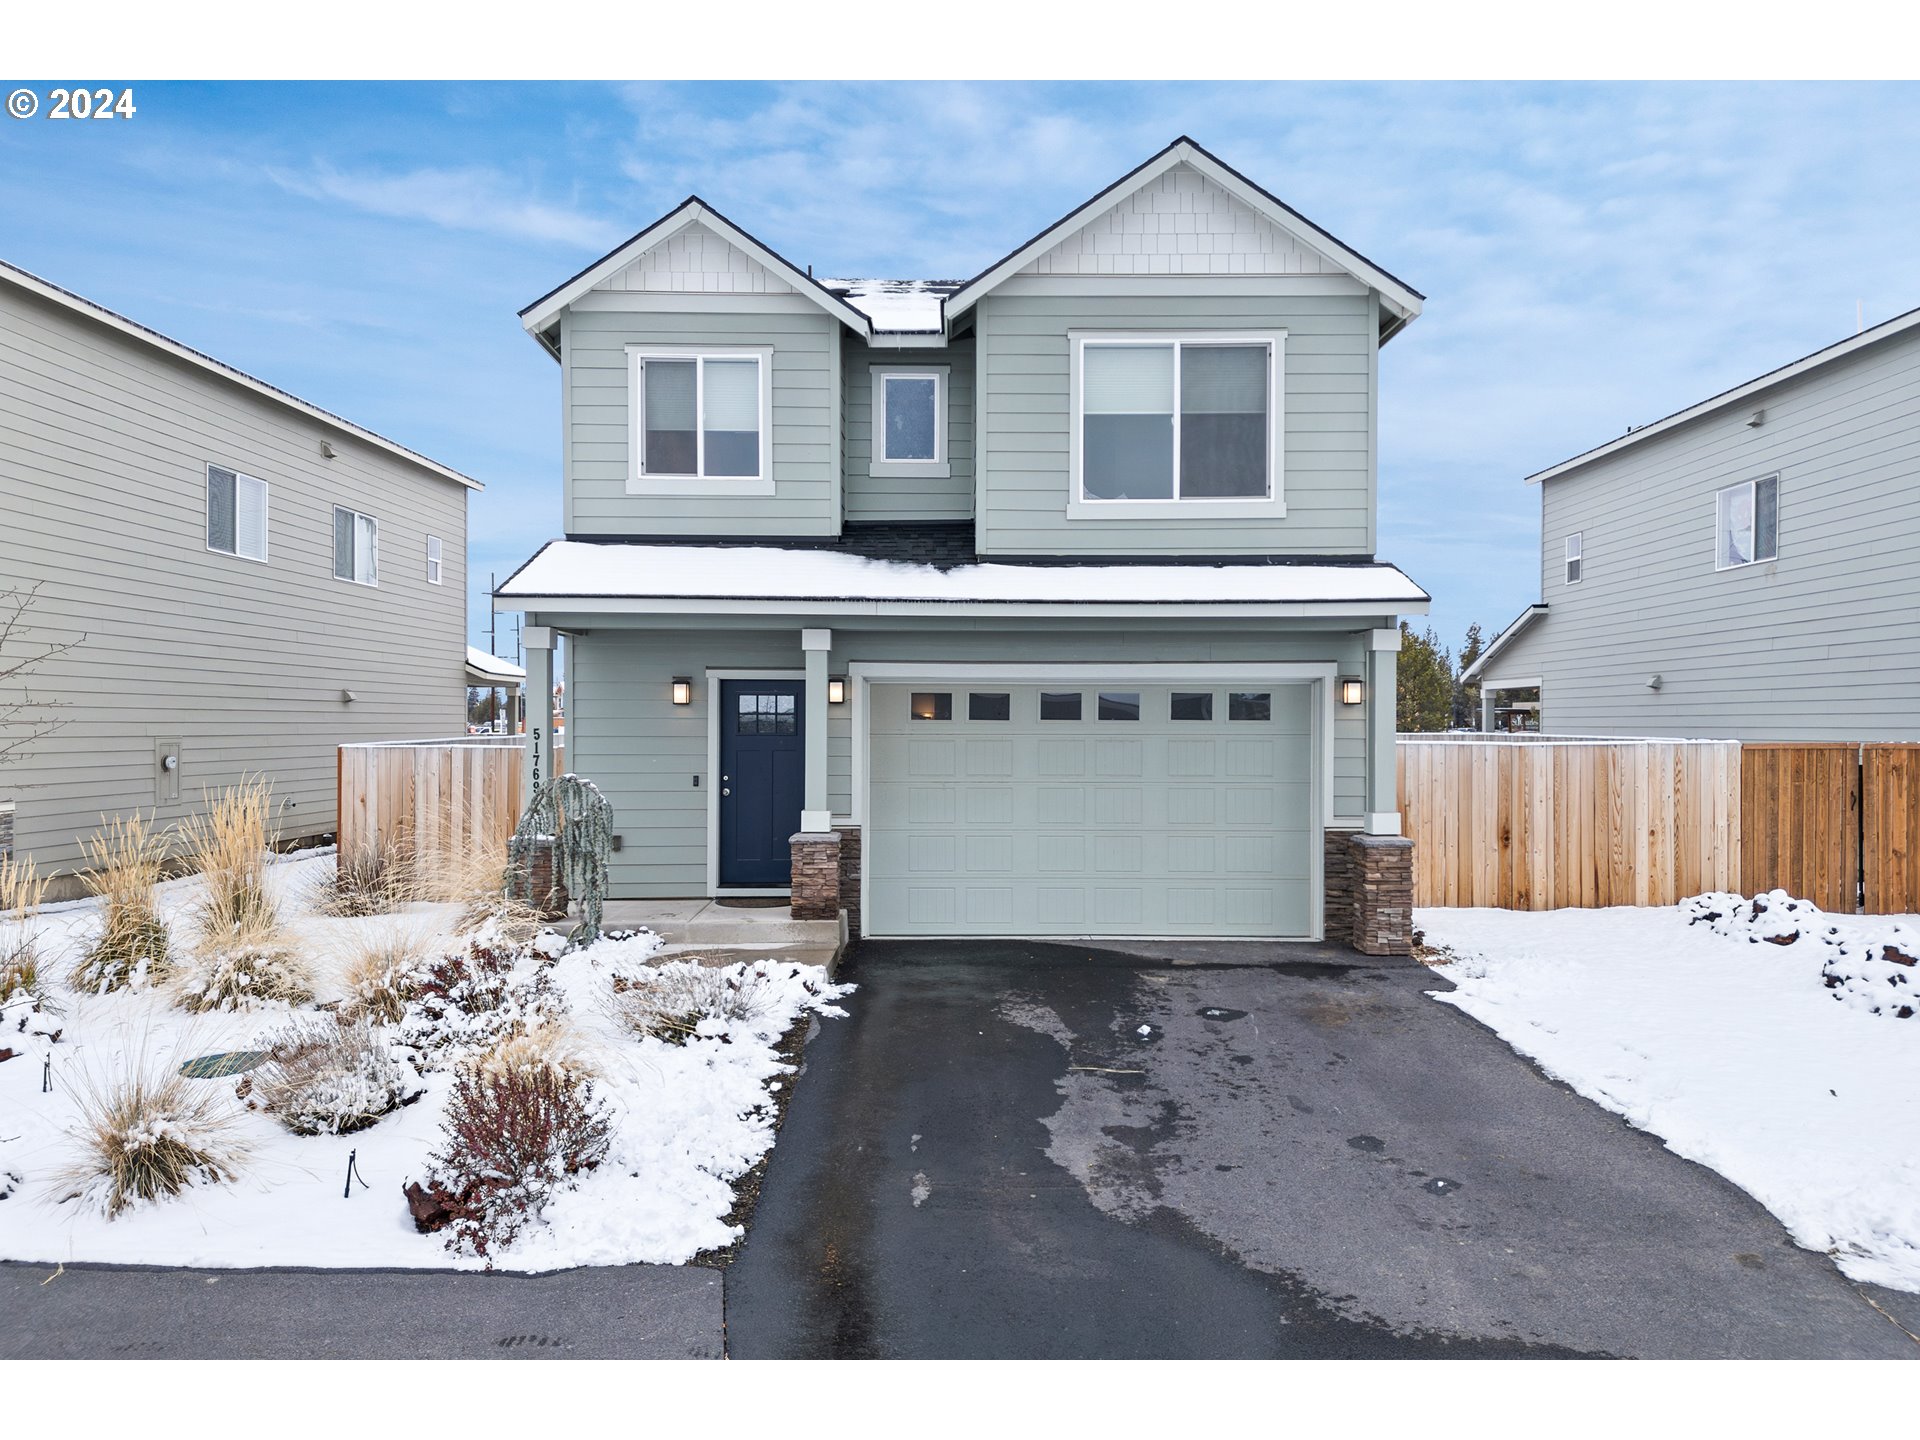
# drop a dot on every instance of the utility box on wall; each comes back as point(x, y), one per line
point(166, 772)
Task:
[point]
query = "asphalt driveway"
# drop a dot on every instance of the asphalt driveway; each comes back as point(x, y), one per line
point(1017, 1149)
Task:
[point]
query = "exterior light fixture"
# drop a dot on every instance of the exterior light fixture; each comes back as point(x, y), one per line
point(837, 690)
point(1351, 691)
point(682, 690)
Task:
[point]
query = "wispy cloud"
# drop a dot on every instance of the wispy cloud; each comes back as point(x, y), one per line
point(474, 199)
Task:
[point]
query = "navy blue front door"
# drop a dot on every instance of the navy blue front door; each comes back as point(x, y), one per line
point(762, 779)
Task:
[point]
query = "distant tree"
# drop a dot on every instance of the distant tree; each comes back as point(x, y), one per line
point(1466, 698)
point(1425, 682)
point(24, 720)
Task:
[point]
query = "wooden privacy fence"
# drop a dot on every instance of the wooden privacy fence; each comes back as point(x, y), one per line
point(1540, 824)
point(1838, 824)
point(430, 796)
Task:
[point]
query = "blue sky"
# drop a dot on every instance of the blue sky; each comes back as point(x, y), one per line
point(1594, 256)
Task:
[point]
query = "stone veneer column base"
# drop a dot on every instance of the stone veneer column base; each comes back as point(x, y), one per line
point(1381, 884)
point(816, 875)
point(850, 878)
point(1337, 885)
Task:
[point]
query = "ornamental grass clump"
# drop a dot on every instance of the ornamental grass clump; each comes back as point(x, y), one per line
point(370, 880)
point(23, 981)
point(328, 1076)
point(380, 972)
point(124, 860)
point(231, 846)
point(149, 1134)
point(253, 967)
point(674, 1001)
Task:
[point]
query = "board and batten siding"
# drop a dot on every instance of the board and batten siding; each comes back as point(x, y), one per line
point(1820, 644)
point(104, 448)
point(626, 735)
point(1024, 418)
point(805, 445)
point(910, 498)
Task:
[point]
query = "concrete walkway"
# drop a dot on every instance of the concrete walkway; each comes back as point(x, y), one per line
point(696, 926)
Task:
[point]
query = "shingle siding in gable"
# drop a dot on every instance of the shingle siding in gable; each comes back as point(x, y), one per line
point(1822, 644)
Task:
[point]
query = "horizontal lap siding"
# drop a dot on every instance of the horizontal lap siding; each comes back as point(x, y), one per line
point(874, 497)
point(1025, 420)
point(104, 445)
point(1822, 644)
point(805, 425)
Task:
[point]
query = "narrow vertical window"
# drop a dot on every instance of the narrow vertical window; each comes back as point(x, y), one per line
point(1126, 442)
point(1573, 558)
point(435, 566)
point(236, 514)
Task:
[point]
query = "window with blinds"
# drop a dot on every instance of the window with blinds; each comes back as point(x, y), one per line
point(700, 416)
point(236, 514)
point(1176, 419)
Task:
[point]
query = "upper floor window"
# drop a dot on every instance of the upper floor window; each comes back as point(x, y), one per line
point(236, 514)
point(1573, 558)
point(910, 420)
point(436, 567)
point(1747, 521)
point(701, 420)
point(1181, 419)
point(356, 547)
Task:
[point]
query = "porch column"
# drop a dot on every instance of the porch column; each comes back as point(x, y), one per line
point(1383, 797)
point(1487, 699)
point(538, 760)
point(816, 818)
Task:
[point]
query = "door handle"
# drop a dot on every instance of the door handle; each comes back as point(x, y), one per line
point(725, 791)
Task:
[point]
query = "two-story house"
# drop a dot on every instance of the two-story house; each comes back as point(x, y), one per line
point(223, 581)
point(1040, 603)
point(1740, 569)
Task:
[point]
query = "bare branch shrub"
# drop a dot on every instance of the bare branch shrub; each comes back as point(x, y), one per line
point(670, 1002)
point(24, 720)
point(332, 1077)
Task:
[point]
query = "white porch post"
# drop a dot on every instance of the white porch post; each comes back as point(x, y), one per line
point(1383, 788)
point(816, 818)
point(538, 762)
point(1487, 699)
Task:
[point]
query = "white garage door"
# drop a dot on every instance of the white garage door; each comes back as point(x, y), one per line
point(1000, 809)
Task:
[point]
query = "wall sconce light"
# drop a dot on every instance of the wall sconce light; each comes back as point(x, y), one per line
point(837, 690)
point(682, 690)
point(1351, 691)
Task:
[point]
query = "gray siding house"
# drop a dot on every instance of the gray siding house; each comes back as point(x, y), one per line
point(245, 581)
point(1741, 569)
point(1040, 603)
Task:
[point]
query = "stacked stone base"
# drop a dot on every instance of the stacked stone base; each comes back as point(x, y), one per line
point(816, 875)
point(850, 878)
point(1378, 878)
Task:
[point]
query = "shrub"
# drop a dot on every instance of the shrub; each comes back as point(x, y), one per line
point(470, 999)
point(369, 881)
point(672, 1001)
point(231, 846)
point(332, 1077)
point(149, 1134)
point(123, 866)
point(381, 974)
point(520, 1126)
point(250, 969)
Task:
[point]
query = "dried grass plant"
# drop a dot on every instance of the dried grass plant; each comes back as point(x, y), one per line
point(257, 966)
point(669, 1002)
point(124, 861)
point(149, 1133)
point(231, 845)
point(370, 880)
point(380, 971)
point(21, 975)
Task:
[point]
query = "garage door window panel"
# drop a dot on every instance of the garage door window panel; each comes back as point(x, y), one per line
point(984, 705)
point(1191, 705)
point(1249, 705)
point(1059, 704)
point(1119, 705)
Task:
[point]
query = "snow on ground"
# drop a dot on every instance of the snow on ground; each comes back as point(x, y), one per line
point(690, 1119)
point(1734, 1053)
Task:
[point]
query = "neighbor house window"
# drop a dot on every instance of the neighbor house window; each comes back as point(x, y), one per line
point(356, 547)
point(700, 417)
point(1748, 520)
point(1178, 419)
point(436, 571)
point(1573, 558)
point(236, 514)
point(910, 421)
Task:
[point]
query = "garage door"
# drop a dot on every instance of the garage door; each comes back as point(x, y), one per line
point(1090, 810)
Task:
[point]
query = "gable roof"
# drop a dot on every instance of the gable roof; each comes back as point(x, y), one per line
point(1839, 350)
point(1401, 299)
point(46, 290)
point(1500, 642)
point(538, 317)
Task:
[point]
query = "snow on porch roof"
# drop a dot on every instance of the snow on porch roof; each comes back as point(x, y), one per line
point(583, 570)
point(897, 306)
point(485, 669)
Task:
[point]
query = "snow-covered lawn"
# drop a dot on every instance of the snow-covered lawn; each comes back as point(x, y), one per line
point(1730, 1049)
point(688, 1119)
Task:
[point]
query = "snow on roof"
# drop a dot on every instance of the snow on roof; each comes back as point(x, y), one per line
point(897, 305)
point(584, 570)
point(481, 663)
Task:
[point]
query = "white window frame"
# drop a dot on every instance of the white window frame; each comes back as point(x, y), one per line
point(374, 560)
point(639, 482)
point(939, 467)
point(1753, 487)
point(1273, 506)
point(266, 509)
point(1576, 568)
point(436, 560)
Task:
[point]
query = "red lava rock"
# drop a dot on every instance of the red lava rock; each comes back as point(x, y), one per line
point(1898, 957)
point(433, 1209)
point(1783, 939)
point(9, 1054)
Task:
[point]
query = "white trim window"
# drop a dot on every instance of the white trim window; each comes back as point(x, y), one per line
point(1747, 523)
point(356, 547)
point(910, 421)
point(1187, 422)
point(236, 514)
point(436, 555)
point(702, 420)
point(1573, 558)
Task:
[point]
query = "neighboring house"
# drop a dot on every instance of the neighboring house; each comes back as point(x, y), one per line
point(250, 580)
point(1041, 603)
point(1742, 569)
